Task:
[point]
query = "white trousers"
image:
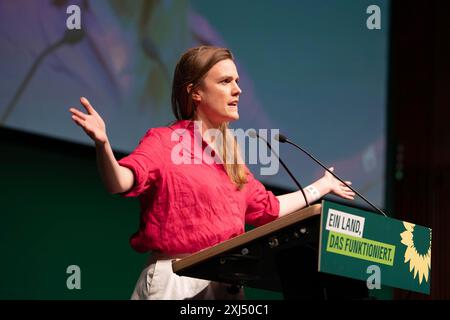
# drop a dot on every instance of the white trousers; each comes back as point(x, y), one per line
point(158, 282)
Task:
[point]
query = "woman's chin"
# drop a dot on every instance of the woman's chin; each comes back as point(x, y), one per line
point(233, 116)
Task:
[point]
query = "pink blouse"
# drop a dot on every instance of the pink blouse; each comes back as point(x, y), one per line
point(186, 207)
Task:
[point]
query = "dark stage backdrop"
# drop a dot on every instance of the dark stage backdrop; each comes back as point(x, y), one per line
point(419, 134)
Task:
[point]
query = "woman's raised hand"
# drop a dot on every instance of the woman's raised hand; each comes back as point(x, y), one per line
point(92, 123)
point(337, 187)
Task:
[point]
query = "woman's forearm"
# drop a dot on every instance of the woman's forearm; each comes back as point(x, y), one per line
point(117, 179)
point(294, 201)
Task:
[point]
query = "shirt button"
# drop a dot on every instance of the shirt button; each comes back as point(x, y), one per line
point(180, 139)
point(213, 153)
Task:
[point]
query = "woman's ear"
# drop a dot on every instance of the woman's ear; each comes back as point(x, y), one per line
point(193, 92)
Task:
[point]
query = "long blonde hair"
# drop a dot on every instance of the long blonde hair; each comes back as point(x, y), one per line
point(190, 70)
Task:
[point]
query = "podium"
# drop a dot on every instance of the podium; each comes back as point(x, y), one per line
point(321, 252)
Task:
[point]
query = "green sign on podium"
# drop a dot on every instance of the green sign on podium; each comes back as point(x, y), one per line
point(354, 243)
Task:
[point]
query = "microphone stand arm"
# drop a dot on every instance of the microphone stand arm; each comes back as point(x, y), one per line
point(360, 195)
point(288, 171)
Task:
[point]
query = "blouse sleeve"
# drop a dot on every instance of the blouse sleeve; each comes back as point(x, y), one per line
point(262, 205)
point(145, 162)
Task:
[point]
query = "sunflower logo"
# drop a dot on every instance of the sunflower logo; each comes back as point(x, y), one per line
point(418, 250)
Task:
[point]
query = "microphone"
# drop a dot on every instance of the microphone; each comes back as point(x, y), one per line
point(254, 134)
point(283, 139)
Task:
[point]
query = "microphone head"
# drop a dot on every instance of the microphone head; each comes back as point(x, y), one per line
point(252, 133)
point(281, 137)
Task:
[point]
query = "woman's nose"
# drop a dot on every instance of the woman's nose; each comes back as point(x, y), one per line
point(237, 89)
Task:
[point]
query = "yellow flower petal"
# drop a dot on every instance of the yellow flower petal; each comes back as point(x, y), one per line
point(421, 264)
point(409, 226)
point(414, 262)
point(427, 272)
point(408, 254)
point(407, 238)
